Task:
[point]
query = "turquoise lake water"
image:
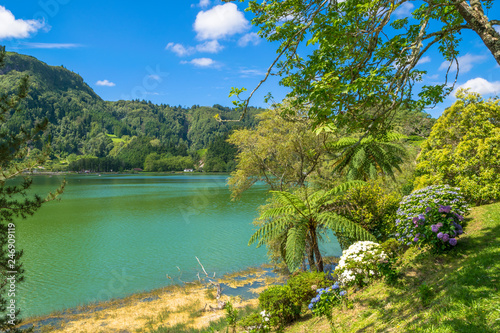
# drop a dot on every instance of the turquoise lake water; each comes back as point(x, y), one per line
point(113, 235)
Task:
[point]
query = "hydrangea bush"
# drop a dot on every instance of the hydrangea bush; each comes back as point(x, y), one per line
point(325, 300)
point(359, 263)
point(439, 226)
point(414, 205)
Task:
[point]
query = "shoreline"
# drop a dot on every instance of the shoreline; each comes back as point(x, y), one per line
point(172, 305)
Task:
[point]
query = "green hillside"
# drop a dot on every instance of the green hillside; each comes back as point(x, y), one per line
point(81, 124)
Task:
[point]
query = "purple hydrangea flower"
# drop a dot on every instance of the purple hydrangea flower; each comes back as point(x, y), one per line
point(434, 228)
point(446, 237)
point(440, 235)
point(421, 217)
point(439, 225)
point(415, 220)
point(453, 241)
point(342, 293)
point(415, 239)
point(444, 209)
point(428, 209)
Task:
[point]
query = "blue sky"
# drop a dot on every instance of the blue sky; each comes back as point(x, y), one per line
point(181, 52)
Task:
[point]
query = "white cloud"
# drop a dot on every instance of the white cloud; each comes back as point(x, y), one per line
point(249, 38)
point(50, 45)
point(10, 27)
point(497, 28)
point(465, 62)
point(220, 21)
point(201, 62)
point(179, 49)
point(204, 3)
point(404, 10)
point(251, 72)
point(212, 46)
point(481, 86)
point(424, 60)
point(105, 83)
point(155, 77)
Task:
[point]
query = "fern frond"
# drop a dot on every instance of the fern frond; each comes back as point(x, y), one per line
point(295, 247)
point(277, 212)
point(344, 187)
point(269, 230)
point(290, 199)
point(342, 225)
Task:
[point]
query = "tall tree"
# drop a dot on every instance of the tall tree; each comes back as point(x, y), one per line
point(463, 149)
point(299, 218)
point(363, 57)
point(15, 201)
point(283, 152)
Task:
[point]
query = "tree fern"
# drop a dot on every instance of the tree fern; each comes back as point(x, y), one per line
point(368, 157)
point(298, 220)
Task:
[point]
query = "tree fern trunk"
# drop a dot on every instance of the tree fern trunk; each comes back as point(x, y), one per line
point(315, 249)
point(310, 254)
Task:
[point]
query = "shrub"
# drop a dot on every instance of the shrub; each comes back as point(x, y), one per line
point(325, 300)
point(277, 301)
point(415, 204)
point(359, 263)
point(231, 316)
point(370, 207)
point(463, 149)
point(302, 286)
point(256, 322)
point(388, 267)
point(439, 227)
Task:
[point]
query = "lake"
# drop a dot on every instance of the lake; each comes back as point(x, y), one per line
point(113, 235)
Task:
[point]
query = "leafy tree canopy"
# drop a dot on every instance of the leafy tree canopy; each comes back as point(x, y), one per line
point(282, 152)
point(362, 63)
point(463, 149)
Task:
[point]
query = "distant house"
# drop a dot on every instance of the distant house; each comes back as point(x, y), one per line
point(188, 170)
point(137, 169)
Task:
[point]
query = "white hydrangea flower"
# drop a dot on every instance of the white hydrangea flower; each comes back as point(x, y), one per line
point(359, 260)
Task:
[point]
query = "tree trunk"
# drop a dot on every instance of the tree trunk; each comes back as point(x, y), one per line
point(474, 15)
point(310, 256)
point(315, 248)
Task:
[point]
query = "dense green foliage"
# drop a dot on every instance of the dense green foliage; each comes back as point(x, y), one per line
point(362, 57)
point(278, 302)
point(81, 123)
point(303, 286)
point(221, 155)
point(283, 152)
point(370, 207)
point(16, 201)
point(463, 149)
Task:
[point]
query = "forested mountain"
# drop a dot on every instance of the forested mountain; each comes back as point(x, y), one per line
point(85, 131)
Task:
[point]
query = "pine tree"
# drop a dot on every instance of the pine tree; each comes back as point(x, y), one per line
point(15, 201)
